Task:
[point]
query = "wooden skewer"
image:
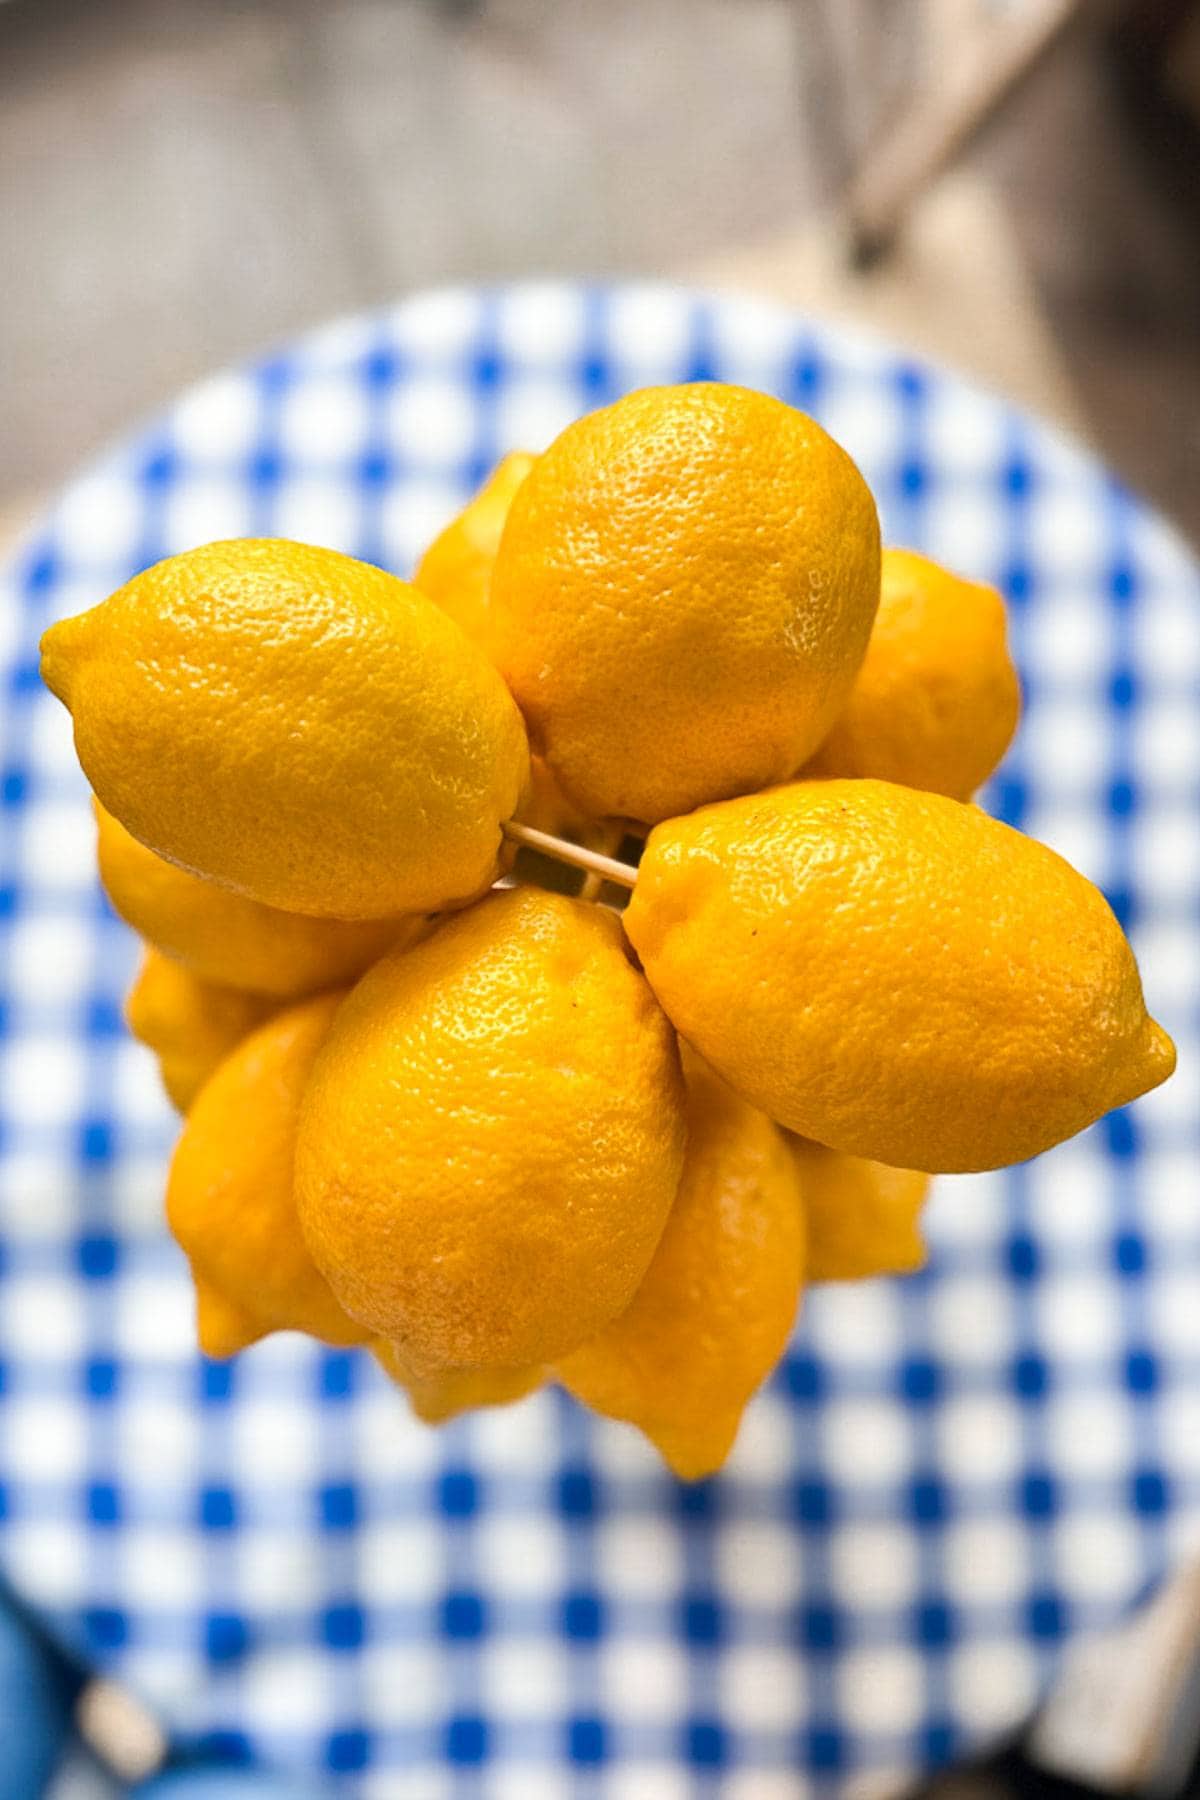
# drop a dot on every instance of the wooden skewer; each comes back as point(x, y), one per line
point(591, 861)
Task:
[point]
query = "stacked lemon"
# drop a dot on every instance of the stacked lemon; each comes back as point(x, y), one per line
point(504, 1135)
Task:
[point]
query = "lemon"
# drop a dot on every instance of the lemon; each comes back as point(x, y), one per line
point(714, 1312)
point(863, 1218)
point(682, 597)
point(191, 1025)
point(296, 726)
point(442, 1396)
point(456, 570)
point(894, 973)
point(492, 1137)
point(225, 938)
point(937, 699)
point(230, 1194)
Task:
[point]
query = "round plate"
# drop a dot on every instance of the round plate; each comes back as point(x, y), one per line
point(948, 1477)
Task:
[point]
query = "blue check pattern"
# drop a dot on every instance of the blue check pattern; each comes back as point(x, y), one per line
point(948, 1478)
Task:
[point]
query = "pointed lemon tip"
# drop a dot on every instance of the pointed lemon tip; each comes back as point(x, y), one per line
point(434, 1407)
point(693, 1454)
point(58, 659)
point(1152, 1064)
point(437, 1398)
point(1160, 1055)
point(221, 1328)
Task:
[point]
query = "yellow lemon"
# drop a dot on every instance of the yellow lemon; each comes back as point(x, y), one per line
point(713, 1315)
point(863, 1218)
point(894, 973)
point(438, 1397)
point(191, 1025)
point(493, 1136)
point(936, 701)
point(456, 570)
point(682, 597)
point(296, 726)
point(225, 938)
point(231, 1200)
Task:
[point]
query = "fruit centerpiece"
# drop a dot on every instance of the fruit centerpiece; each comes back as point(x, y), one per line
point(502, 1134)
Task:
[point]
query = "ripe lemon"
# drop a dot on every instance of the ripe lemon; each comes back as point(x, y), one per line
point(493, 1136)
point(682, 597)
point(893, 973)
point(225, 938)
point(456, 570)
point(442, 1396)
point(936, 701)
point(230, 1193)
point(863, 1218)
point(296, 726)
point(712, 1317)
point(191, 1025)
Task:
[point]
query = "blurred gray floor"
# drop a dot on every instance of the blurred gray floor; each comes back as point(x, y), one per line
point(186, 181)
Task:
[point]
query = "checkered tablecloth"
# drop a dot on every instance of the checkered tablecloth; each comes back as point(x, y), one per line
point(948, 1478)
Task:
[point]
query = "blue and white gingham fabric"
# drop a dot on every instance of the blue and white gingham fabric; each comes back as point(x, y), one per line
point(949, 1477)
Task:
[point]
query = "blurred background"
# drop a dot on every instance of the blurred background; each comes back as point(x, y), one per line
point(184, 182)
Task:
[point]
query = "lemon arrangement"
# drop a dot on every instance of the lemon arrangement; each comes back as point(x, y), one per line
point(502, 1135)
